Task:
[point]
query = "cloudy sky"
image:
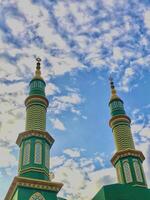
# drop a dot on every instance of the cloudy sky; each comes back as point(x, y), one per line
point(80, 42)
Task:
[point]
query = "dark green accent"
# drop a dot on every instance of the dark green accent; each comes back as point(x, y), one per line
point(24, 193)
point(122, 192)
point(117, 112)
point(37, 87)
point(130, 161)
point(35, 175)
point(115, 99)
point(32, 173)
point(114, 124)
point(116, 108)
point(35, 102)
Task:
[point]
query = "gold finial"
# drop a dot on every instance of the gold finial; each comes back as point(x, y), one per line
point(38, 71)
point(38, 60)
point(38, 63)
point(113, 90)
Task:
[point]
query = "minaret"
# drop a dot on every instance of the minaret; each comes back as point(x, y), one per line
point(35, 142)
point(33, 180)
point(127, 160)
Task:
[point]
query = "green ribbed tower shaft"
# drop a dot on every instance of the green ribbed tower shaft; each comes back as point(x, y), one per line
point(121, 129)
point(127, 160)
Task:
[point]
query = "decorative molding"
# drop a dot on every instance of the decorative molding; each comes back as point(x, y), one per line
point(118, 118)
point(37, 196)
point(118, 169)
point(36, 133)
point(127, 171)
point(36, 97)
point(47, 155)
point(38, 149)
point(137, 170)
point(27, 153)
point(36, 169)
point(20, 157)
point(32, 183)
point(126, 153)
point(138, 185)
point(113, 98)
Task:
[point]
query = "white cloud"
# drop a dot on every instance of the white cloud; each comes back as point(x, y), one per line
point(32, 12)
point(63, 103)
point(101, 160)
point(85, 162)
point(73, 180)
point(147, 18)
point(2, 44)
point(7, 159)
point(102, 177)
point(51, 89)
point(10, 127)
point(57, 124)
point(8, 70)
point(109, 2)
point(73, 153)
point(145, 132)
point(73, 110)
point(117, 55)
point(81, 180)
point(50, 36)
point(12, 111)
point(105, 26)
point(16, 25)
point(79, 12)
point(73, 98)
point(61, 65)
point(57, 161)
point(136, 128)
point(128, 75)
point(145, 148)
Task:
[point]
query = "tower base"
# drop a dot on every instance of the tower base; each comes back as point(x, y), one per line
point(30, 189)
point(122, 192)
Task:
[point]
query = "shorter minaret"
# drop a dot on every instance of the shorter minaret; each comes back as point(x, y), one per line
point(127, 160)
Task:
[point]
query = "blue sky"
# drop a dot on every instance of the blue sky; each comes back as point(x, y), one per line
point(80, 43)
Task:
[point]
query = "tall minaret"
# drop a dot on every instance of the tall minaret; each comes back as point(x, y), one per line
point(35, 142)
point(127, 160)
point(33, 180)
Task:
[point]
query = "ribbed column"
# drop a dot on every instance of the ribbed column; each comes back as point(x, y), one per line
point(122, 132)
point(36, 107)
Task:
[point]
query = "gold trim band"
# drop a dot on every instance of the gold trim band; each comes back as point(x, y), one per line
point(36, 133)
point(125, 153)
point(32, 183)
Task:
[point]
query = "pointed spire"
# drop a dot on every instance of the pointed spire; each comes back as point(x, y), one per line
point(113, 90)
point(38, 69)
